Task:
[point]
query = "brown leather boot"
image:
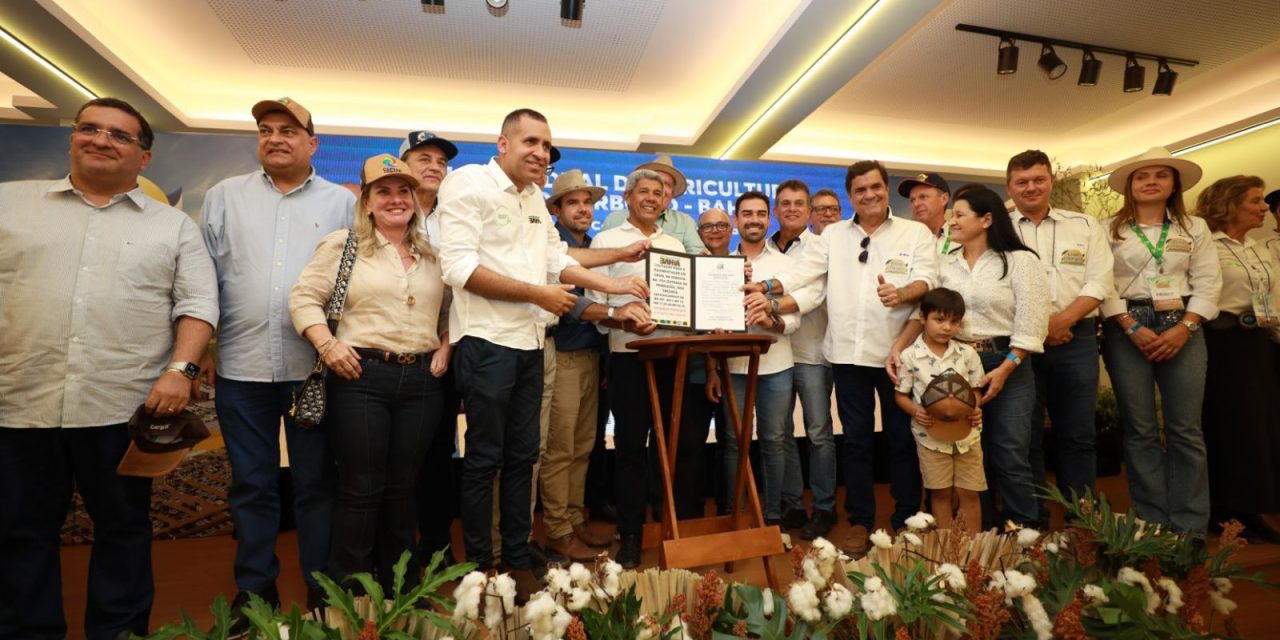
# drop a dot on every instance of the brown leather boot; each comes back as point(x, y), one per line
point(592, 538)
point(572, 547)
point(526, 583)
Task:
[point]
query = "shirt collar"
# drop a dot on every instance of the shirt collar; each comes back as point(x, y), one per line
point(1222, 235)
point(134, 195)
point(626, 224)
point(888, 220)
point(798, 241)
point(270, 182)
point(504, 181)
point(924, 349)
point(568, 237)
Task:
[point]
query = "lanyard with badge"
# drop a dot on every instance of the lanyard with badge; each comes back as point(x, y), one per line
point(1264, 309)
point(1051, 269)
point(1165, 295)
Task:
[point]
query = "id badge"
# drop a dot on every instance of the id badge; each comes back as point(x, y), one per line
point(1165, 295)
point(1051, 275)
point(1264, 309)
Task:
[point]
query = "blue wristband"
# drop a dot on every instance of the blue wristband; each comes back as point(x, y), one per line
point(1014, 357)
point(1133, 328)
point(768, 285)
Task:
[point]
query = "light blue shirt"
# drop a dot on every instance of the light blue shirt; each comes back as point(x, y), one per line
point(675, 223)
point(260, 240)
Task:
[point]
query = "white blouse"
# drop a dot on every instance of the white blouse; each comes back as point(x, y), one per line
point(1246, 268)
point(1189, 257)
point(1016, 306)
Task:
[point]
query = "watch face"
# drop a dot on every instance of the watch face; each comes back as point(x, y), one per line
point(192, 370)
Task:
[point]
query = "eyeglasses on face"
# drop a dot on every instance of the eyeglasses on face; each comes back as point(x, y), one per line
point(115, 135)
point(866, 242)
point(713, 226)
point(550, 168)
point(827, 208)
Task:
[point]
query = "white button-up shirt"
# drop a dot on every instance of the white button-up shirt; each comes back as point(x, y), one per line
point(920, 365)
point(622, 236)
point(770, 264)
point(88, 299)
point(1189, 257)
point(1246, 268)
point(486, 222)
point(860, 330)
point(806, 342)
point(1013, 305)
point(1074, 251)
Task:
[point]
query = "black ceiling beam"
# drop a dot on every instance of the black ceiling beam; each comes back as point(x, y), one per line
point(1071, 44)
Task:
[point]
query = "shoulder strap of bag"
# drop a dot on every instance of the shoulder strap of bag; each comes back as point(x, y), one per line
point(339, 299)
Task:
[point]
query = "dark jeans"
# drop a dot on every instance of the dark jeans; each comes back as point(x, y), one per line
point(856, 391)
point(633, 425)
point(39, 470)
point(437, 489)
point(249, 415)
point(501, 389)
point(379, 427)
point(1067, 387)
point(1006, 444)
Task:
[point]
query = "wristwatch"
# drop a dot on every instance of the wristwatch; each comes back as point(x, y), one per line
point(189, 369)
point(773, 303)
point(1191, 325)
point(610, 313)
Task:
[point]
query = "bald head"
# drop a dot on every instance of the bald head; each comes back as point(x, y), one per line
point(714, 229)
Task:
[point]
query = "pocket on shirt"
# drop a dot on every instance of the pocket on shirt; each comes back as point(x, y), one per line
point(144, 269)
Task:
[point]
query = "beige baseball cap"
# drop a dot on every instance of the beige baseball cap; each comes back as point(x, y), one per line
point(284, 105)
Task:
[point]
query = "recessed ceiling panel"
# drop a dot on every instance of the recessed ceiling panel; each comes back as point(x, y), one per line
point(525, 43)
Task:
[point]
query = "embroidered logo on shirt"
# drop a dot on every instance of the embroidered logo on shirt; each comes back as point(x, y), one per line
point(535, 220)
point(897, 267)
point(1178, 244)
point(504, 218)
point(1072, 257)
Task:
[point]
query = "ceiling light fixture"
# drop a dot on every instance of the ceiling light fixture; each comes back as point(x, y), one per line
point(496, 4)
point(433, 3)
point(1135, 75)
point(1090, 66)
point(571, 9)
point(49, 66)
point(1090, 69)
point(813, 68)
point(1007, 57)
point(1050, 63)
point(1165, 80)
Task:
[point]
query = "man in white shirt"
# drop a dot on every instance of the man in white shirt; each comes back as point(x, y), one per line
point(1078, 265)
point(812, 373)
point(498, 247)
point(625, 317)
point(825, 210)
point(675, 223)
point(876, 266)
point(929, 194)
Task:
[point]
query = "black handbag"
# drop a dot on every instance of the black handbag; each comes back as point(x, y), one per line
point(309, 401)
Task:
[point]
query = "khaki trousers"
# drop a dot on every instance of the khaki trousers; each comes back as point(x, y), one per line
point(569, 441)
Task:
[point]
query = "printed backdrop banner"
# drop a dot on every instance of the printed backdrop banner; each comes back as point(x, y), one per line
point(185, 165)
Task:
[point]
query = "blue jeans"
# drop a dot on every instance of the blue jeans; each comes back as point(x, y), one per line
point(501, 390)
point(1067, 386)
point(1168, 484)
point(783, 482)
point(856, 390)
point(813, 383)
point(1006, 441)
point(39, 471)
point(249, 414)
point(380, 426)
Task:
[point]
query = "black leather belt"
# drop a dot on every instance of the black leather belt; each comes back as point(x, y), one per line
point(985, 345)
point(403, 359)
point(1228, 320)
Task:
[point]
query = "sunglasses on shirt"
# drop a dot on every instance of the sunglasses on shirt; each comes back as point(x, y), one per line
point(862, 257)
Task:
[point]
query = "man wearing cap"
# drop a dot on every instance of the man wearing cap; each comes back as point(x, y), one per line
point(680, 225)
point(929, 194)
point(261, 229)
point(109, 300)
point(876, 266)
point(428, 156)
point(498, 248)
point(1077, 260)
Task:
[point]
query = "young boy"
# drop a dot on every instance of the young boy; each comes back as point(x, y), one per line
point(951, 469)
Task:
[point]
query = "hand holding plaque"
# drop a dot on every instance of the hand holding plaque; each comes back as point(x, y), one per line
point(696, 293)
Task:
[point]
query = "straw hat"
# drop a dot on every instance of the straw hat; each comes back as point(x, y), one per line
point(569, 181)
point(1188, 171)
point(664, 164)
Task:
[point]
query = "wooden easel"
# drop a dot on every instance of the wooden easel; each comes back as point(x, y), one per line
point(741, 534)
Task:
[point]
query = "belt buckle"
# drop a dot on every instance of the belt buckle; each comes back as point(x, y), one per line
point(406, 358)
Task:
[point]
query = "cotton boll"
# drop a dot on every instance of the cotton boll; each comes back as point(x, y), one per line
point(767, 605)
point(881, 539)
point(920, 521)
point(1038, 617)
point(1027, 537)
point(1174, 602)
point(804, 601)
point(839, 602)
point(1095, 594)
point(953, 577)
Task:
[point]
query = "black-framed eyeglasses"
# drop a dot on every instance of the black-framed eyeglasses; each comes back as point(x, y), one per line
point(827, 208)
point(866, 242)
point(115, 135)
point(713, 226)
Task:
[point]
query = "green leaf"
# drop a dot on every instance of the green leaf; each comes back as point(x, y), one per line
point(340, 599)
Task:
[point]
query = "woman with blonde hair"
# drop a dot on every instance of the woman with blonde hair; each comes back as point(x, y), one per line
point(1241, 426)
point(384, 391)
point(1167, 282)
